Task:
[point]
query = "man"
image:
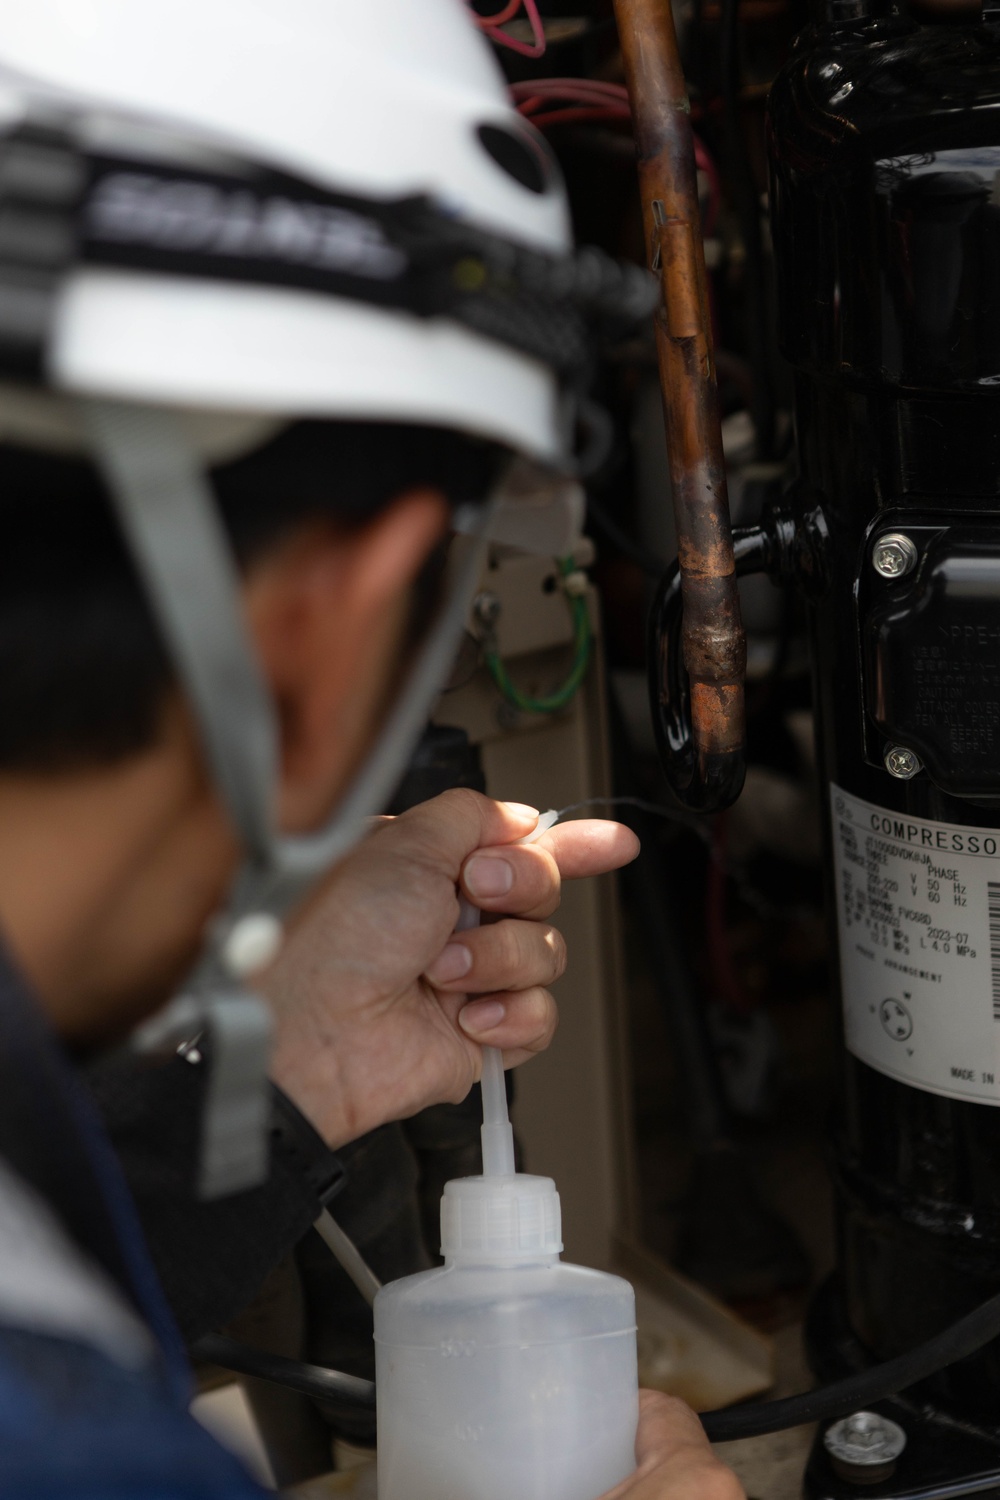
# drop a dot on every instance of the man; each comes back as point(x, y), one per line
point(260, 352)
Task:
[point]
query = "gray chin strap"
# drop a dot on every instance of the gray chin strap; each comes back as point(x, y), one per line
point(167, 512)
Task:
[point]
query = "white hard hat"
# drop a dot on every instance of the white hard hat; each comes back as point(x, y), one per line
point(388, 100)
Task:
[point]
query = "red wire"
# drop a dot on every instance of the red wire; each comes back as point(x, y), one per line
point(592, 100)
point(580, 116)
point(598, 100)
point(594, 85)
point(705, 163)
point(507, 14)
point(535, 48)
point(567, 88)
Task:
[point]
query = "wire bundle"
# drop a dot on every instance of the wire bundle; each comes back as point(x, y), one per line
point(493, 27)
point(577, 101)
point(581, 101)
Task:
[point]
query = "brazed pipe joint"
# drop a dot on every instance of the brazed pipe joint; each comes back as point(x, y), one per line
point(707, 771)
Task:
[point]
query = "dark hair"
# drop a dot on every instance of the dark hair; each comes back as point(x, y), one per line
point(83, 671)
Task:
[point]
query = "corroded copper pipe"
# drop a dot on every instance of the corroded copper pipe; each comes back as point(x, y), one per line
point(714, 644)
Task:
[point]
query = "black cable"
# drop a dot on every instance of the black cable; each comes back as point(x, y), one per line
point(677, 815)
point(646, 885)
point(311, 1380)
point(825, 1404)
point(858, 1391)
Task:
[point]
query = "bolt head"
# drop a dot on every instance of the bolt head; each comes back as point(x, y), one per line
point(894, 555)
point(902, 763)
point(864, 1440)
point(486, 608)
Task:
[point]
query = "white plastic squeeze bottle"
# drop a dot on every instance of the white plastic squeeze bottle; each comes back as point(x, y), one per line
point(504, 1374)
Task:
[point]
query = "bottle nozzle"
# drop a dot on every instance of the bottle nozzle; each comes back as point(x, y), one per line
point(497, 1134)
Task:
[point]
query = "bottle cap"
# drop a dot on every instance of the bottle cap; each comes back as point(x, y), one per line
point(487, 1217)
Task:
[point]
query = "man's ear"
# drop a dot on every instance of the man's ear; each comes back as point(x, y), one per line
point(328, 609)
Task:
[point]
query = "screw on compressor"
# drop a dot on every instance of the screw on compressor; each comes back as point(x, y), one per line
point(902, 763)
point(894, 555)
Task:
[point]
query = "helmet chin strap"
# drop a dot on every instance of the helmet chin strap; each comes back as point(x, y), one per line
point(166, 510)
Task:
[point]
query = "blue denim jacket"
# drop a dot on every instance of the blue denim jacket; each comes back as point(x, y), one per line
point(94, 1381)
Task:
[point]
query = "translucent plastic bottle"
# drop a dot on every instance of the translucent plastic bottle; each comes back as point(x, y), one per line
point(504, 1374)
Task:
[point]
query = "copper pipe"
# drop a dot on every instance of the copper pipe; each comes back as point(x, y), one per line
point(714, 644)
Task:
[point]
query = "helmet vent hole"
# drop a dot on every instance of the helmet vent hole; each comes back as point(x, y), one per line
point(519, 158)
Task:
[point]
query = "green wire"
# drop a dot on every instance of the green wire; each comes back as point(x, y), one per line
point(551, 702)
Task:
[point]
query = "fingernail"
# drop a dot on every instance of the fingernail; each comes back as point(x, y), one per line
point(451, 963)
point(481, 1015)
point(522, 810)
point(488, 875)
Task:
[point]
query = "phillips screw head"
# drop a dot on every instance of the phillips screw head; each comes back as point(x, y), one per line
point(902, 763)
point(894, 555)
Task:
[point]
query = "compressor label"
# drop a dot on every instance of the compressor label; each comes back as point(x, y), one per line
point(918, 912)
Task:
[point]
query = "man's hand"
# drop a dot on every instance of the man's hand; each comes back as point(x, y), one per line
point(675, 1461)
point(371, 990)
